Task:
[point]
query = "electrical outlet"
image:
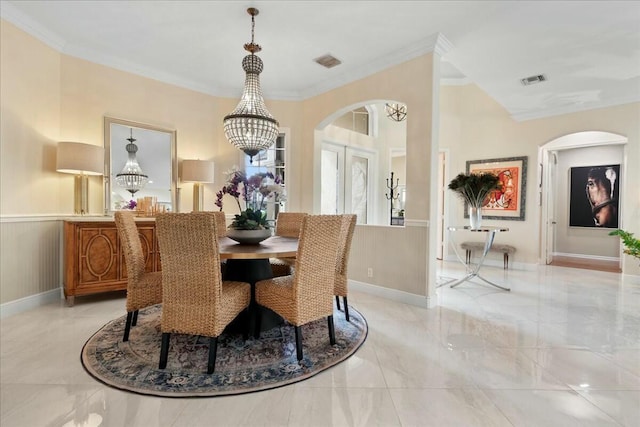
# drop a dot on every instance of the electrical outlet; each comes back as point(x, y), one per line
point(369, 272)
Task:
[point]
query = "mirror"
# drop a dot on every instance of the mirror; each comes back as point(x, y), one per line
point(156, 155)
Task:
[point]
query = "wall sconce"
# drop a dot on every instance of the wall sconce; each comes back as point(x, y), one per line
point(82, 160)
point(198, 172)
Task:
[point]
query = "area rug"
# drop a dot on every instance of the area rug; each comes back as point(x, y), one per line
point(241, 366)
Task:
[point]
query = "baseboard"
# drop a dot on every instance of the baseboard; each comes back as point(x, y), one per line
point(589, 257)
point(27, 303)
point(391, 294)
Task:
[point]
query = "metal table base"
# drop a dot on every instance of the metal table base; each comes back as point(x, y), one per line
point(474, 271)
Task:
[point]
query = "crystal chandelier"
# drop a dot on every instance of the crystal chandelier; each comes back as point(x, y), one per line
point(396, 112)
point(250, 127)
point(131, 178)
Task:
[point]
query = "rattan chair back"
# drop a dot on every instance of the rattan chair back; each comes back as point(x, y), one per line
point(196, 300)
point(191, 277)
point(288, 224)
point(348, 225)
point(130, 244)
point(221, 223)
point(314, 273)
point(144, 289)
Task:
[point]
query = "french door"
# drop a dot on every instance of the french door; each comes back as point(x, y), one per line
point(346, 183)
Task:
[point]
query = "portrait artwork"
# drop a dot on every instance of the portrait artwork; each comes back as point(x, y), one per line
point(594, 200)
point(507, 202)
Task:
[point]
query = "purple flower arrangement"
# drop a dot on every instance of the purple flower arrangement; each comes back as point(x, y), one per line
point(255, 191)
point(131, 205)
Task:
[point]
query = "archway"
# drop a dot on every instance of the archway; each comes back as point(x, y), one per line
point(580, 145)
point(359, 148)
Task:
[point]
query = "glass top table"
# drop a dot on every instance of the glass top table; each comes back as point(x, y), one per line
point(474, 271)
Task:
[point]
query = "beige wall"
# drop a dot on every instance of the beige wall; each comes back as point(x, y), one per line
point(389, 84)
point(30, 127)
point(474, 127)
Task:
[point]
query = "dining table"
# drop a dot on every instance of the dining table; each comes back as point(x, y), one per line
point(250, 263)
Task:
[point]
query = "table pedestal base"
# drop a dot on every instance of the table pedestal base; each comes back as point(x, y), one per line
point(252, 271)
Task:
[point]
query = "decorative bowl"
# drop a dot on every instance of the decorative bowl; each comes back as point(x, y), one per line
point(248, 237)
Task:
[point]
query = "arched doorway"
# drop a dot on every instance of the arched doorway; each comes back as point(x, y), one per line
point(560, 242)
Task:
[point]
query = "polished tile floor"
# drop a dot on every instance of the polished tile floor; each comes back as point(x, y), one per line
point(561, 349)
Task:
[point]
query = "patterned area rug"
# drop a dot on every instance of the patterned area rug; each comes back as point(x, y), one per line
point(241, 366)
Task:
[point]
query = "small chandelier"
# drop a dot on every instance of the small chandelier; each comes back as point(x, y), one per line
point(396, 112)
point(250, 127)
point(131, 178)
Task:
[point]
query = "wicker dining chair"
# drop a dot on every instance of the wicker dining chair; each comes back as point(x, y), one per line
point(288, 224)
point(346, 235)
point(307, 295)
point(144, 289)
point(196, 300)
point(221, 223)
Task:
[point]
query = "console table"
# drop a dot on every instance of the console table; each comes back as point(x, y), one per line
point(490, 233)
point(93, 259)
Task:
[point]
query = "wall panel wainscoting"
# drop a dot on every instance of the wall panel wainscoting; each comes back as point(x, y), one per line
point(30, 265)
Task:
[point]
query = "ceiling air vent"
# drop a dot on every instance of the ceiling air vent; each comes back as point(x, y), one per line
point(533, 80)
point(328, 61)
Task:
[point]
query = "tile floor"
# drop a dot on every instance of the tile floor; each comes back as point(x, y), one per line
point(561, 349)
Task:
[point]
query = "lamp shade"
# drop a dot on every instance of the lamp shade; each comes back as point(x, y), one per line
point(79, 158)
point(197, 171)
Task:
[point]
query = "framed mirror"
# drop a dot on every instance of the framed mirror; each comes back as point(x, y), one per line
point(155, 181)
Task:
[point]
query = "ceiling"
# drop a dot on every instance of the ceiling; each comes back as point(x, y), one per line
point(589, 51)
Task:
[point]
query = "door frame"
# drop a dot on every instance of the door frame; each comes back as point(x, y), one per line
point(566, 142)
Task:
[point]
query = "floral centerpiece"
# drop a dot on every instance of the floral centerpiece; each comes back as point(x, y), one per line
point(474, 188)
point(255, 191)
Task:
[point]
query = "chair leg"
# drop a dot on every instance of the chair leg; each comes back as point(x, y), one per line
point(164, 350)
point(338, 302)
point(127, 326)
point(134, 322)
point(506, 260)
point(332, 332)
point(213, 349)
point(298, 343)
point(346, 308)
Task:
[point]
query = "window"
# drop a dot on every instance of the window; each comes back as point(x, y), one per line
point(273, 160)
point(356, 120)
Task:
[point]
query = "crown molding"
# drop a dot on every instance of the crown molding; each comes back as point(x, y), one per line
point(12, 14)
point(550, 112)
point(419, 48)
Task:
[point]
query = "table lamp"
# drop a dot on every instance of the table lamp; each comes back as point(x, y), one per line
point(198, 172)
point(82, 160)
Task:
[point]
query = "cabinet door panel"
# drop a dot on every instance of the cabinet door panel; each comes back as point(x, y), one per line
point(98, 255)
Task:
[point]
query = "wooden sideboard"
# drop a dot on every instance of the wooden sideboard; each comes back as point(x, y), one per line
point(93, 259)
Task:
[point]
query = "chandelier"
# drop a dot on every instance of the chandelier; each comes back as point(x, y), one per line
point(250, 127)
point(131, 178)
point(396, 112)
